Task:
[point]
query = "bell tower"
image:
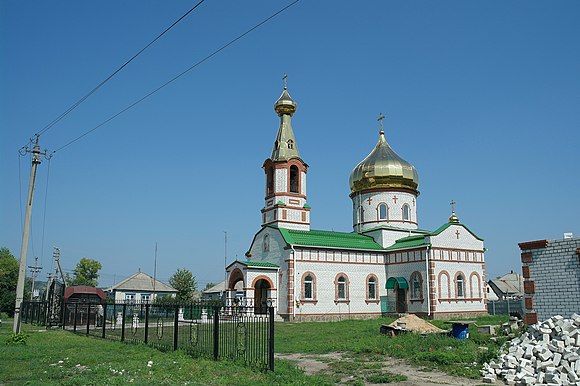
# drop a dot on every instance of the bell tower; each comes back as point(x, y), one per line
point(285, 204)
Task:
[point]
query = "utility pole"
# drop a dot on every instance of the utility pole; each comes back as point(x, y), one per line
point(225, 265)
point(34, 271)
point(36, 153)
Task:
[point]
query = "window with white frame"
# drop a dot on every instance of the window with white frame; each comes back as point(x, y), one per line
point(460, 286)
point(416, 284)
point(308, 287)
point(372, 288)
point(145, 297)
point(383, 212)
point(406, 212)
point(129, 297)
point(341, 288)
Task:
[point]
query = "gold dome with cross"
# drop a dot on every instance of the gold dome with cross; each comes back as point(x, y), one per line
point(383, 168)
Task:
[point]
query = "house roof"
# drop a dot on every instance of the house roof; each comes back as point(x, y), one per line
point(329, 239)
point(409, 242)
point(509, 284)
point(141, 282)
point(84, 290)
point(219, 287)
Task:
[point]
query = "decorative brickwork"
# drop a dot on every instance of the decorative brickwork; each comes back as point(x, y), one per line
point(529, 287)
point(527, 257)
point(538, 244)
point(528, 303)
point(531, 318)
point(526, 271)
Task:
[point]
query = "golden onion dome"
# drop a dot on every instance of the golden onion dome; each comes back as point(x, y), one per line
point(383, 168)
point(285, 104)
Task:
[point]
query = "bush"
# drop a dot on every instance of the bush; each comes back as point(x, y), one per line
point(15, 339)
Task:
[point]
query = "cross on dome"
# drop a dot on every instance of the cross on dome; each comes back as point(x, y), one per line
point(284, 79)
point(380, 119)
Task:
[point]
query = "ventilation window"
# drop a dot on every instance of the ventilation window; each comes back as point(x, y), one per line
point(290, 144)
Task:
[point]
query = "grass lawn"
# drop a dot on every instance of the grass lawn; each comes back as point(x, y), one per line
point(361, 339)
point(61, 357)
point(57, 357)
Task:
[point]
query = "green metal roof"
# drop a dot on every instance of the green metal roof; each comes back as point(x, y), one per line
point(408, 242)
point(401, 281)
point(261, 264)
point(329, 239)
point(447, 225)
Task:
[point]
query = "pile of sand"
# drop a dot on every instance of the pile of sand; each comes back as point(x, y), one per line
point(415, 324)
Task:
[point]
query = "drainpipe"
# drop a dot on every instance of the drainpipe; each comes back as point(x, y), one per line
point(428, 281)
point(294, 274)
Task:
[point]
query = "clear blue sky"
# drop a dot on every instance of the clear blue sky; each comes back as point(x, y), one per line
point(482, 97)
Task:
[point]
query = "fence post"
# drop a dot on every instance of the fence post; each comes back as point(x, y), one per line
point(65, 313)
point(175, 327)
point(271, 339)
point(123, 320)
point(74, 319)
point(146, 322)
point(508, 306)
point(216, 332)
point(88, 317)
point(104, 320)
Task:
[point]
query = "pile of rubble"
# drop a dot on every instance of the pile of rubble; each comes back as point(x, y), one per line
point(549, 353)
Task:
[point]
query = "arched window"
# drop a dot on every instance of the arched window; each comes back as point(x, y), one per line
point(383, 212)
point(371, 288)
point(341, 288)
point(294, 179)
point(290, 144)
point(266, 243)
point(308, 287)
point(416, 286)
point(460, 282)
point(406, 213)
point(270, 181)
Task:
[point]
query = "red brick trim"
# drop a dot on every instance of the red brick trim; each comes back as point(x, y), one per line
point(526, 272)
point(530, 318)
point(262, 277)
point(471, 289)
point(533, 245)
point(376, 298)
point(527, 257)
point(528, 303)
point(236, 276)
point(529, 287)
point(346, 288)
point(440, 276)
point(418, 275)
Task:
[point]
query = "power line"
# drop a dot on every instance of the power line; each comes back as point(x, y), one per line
point(77, 103)
point(178, 76)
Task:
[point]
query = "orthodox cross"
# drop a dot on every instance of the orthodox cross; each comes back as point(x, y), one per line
point(457, 233)
point(452, 203)
point(380, 119)
point(284, 79)
point(369, 200)
point(395, 199)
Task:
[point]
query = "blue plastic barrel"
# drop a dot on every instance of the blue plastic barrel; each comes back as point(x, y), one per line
point(460, 331)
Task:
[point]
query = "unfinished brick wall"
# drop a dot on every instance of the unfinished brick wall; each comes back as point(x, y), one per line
point(552, 278)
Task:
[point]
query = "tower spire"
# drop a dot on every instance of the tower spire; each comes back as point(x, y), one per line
point(285, 146)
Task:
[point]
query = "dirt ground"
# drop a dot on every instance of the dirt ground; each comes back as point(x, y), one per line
point(320, 364)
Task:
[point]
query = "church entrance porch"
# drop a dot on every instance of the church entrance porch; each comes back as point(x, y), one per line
point(397, 294)
point(261, 296)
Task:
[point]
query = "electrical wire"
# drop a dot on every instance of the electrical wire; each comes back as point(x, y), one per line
point(178, 76)
point(77, 103)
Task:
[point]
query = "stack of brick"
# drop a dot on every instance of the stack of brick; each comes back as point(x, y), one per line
point(548, 354)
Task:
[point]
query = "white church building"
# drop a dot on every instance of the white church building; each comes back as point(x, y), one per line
point(386, 265)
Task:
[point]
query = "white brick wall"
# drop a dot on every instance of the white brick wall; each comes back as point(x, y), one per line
point(555, 271)
point(395, 210)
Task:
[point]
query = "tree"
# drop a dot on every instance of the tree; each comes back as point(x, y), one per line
point(9, 267)
point(209, 285)
point(185, 284)
point(86, 273)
